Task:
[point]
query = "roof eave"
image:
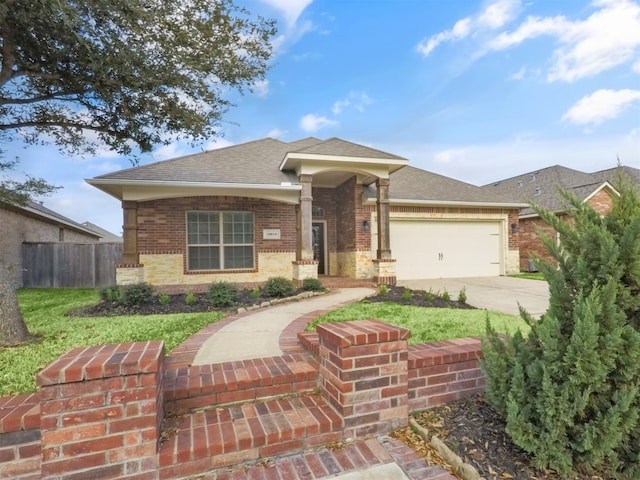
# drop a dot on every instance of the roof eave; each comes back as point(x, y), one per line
point(292, 160)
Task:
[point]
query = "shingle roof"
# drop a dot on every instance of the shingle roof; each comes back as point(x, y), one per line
point(249, 163)
point(410, 183)
point(258, 163)
point(38, 210)
point(541, 186)
point(339, 147)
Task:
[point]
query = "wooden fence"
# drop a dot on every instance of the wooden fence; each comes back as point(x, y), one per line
point(70, 265)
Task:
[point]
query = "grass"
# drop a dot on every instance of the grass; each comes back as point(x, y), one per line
point(44, 311)
point(529, 275)
point(427, 324)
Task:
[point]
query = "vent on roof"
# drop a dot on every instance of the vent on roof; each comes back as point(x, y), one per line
point(496, 184)
point(520, 184)
point(538, 191)
point(534, 176)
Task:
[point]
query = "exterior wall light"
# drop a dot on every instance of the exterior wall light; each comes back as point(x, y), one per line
point(365, 225)
point(515, 228)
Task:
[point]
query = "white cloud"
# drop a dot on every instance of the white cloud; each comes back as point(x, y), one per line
point(498, 14)
point(495, 15)
point(607, 38)
point(291, 9)
point(261, 88)
point(276, 133)
point(601, 105)
point(355, 101)
point(312, 123)
point(519, 75)
point(339, 106)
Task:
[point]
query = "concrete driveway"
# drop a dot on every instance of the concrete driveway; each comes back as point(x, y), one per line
point(500, 294)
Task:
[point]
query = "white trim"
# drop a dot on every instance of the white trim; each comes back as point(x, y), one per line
point(444, 203)
point(293, 159)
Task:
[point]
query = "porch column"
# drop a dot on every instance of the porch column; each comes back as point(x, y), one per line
point(382, 204)
point(305, 266)
point(130, 233)
point(305, 247)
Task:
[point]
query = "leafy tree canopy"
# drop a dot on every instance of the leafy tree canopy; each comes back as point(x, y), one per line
point(125, 74)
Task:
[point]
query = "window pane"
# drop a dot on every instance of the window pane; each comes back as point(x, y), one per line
point(203, 228)
point(238, 257)
point(238, 227)
point(204, 258)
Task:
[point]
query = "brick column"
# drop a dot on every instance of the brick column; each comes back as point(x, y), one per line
point(364, 376)
point(101, 412)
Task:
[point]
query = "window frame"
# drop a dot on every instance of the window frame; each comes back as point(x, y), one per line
point(221, 245)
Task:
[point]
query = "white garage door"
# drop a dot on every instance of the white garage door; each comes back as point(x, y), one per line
point(441, 249)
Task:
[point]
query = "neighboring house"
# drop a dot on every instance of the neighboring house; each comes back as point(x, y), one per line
point(33, 222)
point(301, 209)
point(106, 236)
point(541, 187)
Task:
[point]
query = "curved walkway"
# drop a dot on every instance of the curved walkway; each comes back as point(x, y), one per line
point(257, 334)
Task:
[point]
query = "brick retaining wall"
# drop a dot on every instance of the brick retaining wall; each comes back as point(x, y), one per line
point(99, 410)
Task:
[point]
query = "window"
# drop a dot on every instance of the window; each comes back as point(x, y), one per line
point(220, 240)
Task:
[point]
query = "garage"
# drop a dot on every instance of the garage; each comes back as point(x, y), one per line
point(445, 249)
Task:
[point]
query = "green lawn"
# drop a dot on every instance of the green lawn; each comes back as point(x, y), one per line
point(44, 311)
point(529, 275)
point(427, 324)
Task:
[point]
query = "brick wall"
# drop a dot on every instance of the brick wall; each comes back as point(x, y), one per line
point(162, 223)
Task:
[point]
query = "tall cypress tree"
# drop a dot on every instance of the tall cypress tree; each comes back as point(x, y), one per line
point(570, 389)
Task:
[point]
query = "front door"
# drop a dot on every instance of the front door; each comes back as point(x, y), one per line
point(318, 243)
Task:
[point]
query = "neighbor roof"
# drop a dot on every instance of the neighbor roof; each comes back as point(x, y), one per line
point(38, 210)
point(541, 186)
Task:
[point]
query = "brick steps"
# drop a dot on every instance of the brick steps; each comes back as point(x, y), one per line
point(234, 434)
point(377, 455)
point(197, 387)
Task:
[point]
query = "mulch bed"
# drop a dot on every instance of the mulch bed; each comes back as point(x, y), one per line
point(476, 433)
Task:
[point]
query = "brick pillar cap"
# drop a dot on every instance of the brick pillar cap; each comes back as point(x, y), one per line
point(103, 361)
point(361, 332)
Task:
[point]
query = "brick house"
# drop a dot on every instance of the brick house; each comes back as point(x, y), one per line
point(33, 222)
point(301, 209)
point(541, 187)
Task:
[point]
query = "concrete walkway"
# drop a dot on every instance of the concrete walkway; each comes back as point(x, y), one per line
point(499, 294)
point(257, 335)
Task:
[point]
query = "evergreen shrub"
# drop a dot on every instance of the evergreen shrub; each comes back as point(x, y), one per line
point(279, 287)
point(137, 294)
point(569, 391)
point(222, 294)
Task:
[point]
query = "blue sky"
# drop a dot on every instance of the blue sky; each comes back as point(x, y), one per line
point(475, 90)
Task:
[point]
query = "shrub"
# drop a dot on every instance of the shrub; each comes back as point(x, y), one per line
point(406, 294)
point(446, 296)
point(164, 299)
point(190, 298)
point(255, 293)
point(110, 294)
point(383, 290)
point(428, 296)
point(312, 285)
point(462, 295)
point(569, 391)
point(278, 287)
point(137, 294)
point(222, 294)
